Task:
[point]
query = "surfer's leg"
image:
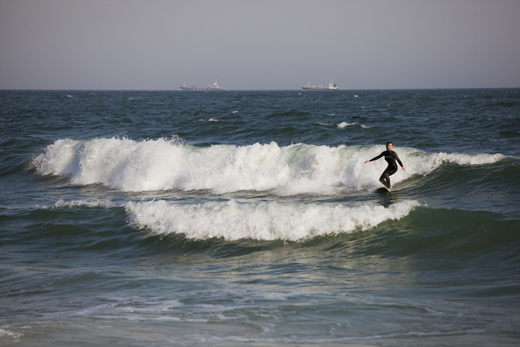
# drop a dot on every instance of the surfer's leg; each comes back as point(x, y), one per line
point(385, 180)
point(385, 177)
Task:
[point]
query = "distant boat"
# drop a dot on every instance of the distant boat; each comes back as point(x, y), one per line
point(211, 88)
point(214, 87)
point(321, 88)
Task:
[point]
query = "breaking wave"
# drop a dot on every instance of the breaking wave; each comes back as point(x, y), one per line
point(264, 221)
point(163, 164)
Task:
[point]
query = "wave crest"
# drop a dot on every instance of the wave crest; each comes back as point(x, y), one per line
point(163, 164)
point(264, 221)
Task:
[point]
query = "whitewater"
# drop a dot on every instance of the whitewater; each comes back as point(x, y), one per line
point(164, 164)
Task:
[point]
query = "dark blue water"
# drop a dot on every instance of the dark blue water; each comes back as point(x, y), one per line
point(250, 218)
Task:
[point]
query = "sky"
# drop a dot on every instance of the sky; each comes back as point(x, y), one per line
point(259, 45)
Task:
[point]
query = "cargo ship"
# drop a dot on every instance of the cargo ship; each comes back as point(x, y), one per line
point(210, 88)
point(321, 88)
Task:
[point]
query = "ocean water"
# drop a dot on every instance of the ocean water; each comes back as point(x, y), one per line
point(249, 218)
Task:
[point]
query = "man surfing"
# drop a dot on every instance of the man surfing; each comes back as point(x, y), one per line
point(390, 157)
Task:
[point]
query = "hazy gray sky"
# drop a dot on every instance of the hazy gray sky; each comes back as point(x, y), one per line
point(280, 44)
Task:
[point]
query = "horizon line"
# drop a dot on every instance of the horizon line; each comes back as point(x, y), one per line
point(246, 90)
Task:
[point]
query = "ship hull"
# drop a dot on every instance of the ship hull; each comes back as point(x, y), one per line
point(191, 89)
point(311, 89)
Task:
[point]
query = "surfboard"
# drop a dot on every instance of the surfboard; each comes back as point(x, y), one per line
point(382, 190)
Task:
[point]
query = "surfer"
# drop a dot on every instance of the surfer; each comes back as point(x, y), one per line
point(390, 157)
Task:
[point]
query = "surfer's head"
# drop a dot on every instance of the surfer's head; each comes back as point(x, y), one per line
point(389, 146)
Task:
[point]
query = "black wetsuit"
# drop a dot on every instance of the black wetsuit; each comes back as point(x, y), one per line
point(390, 157)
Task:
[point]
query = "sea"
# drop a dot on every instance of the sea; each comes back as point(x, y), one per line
point(249, 218)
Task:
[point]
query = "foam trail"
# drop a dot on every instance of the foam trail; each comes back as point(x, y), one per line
point(260, 221)
point(80, 203)
point(163, 164)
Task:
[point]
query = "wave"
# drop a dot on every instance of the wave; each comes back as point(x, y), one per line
point(264, 221)
point(14, 335)
point(345, 124)
point(163, 164)
point(80, 203)
point(423, 231)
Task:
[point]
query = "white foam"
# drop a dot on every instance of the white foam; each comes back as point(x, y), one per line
point(423, 163)
point(164, 164)
point(79, 203)
point(85, 203)
point(260, 221)
point(14, 335)
point(345, 124)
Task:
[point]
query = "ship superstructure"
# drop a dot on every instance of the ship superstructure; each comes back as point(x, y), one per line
point(214, 87)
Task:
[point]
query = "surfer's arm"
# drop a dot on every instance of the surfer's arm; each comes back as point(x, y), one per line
point(375, 158)
point(399, 161)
